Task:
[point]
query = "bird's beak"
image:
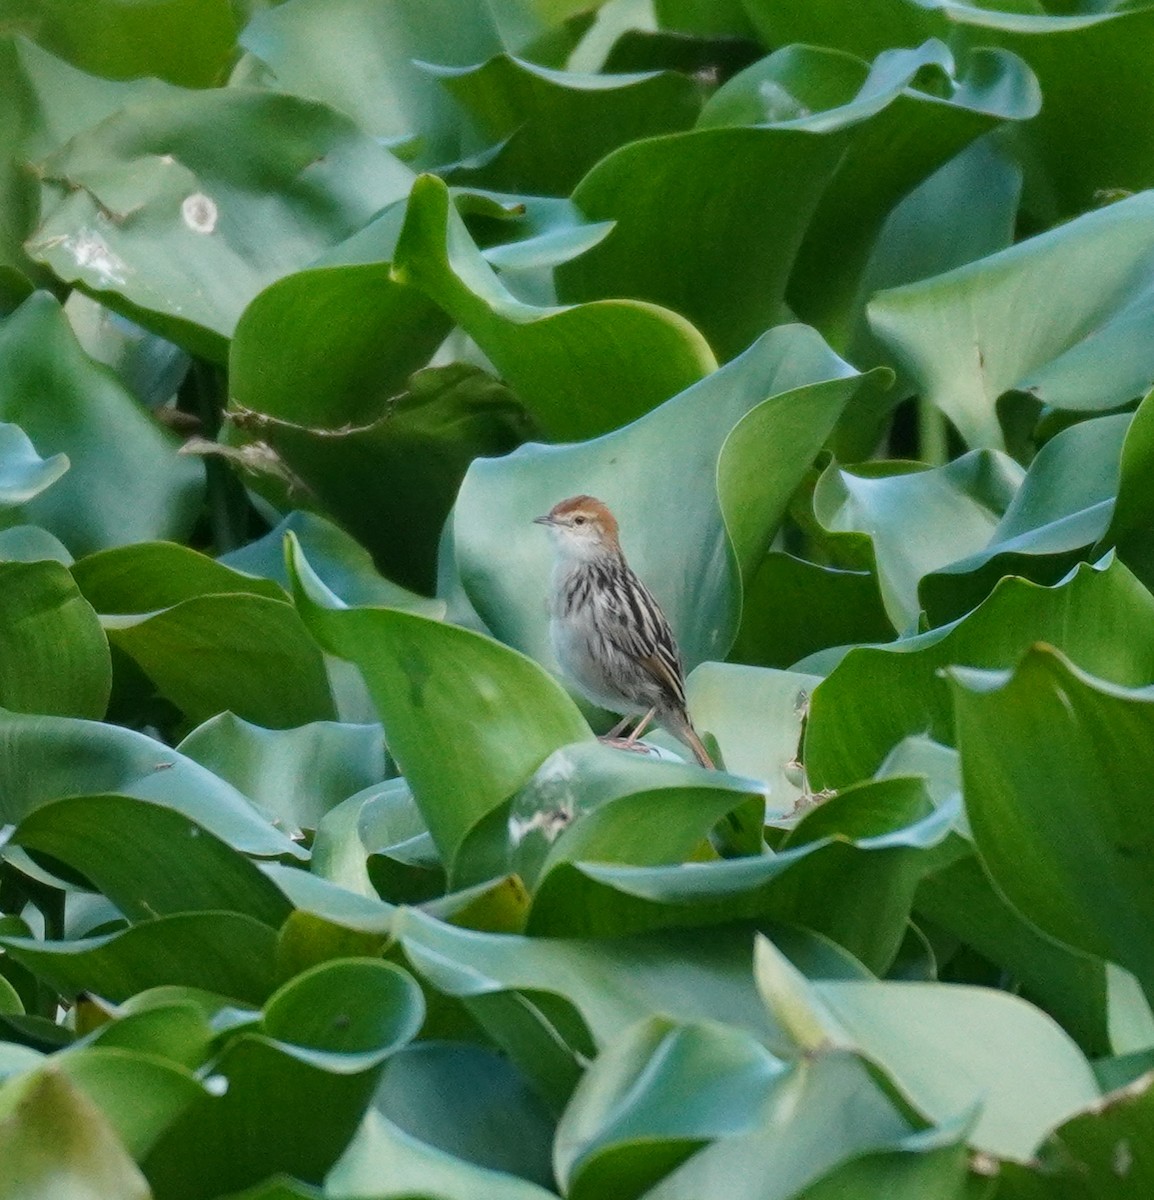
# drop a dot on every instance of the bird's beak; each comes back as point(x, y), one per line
point(545, 520)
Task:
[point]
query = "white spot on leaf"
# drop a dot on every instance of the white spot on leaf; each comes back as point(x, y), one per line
point(91, 253)
point(199, 212)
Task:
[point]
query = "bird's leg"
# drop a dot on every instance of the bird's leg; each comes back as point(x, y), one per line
point(640, 727)
point(617, 729)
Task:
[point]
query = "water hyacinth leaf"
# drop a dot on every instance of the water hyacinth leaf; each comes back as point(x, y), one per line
point(149, 860)
point(140, 1094)
point(56, 1136)
point(227, 953)
point(1069, 985)
point(550, 127)
point(865, 31)
point(1054, 765)
point(297, 775)
point(467, 719)
point(589, 802)
point(919, 519)
point(579, 370)
point(1093, 616)
point(446, 1094)
point(799, 1135)
point(324, 1035)
point(253, 657)
point(23, 473)
point(368, 61)
point(189, 42)
point(611, 983)
point(381, 455)
point(504, 562)
point(204, 237)
point(45, 758)
point(54, 657)
point(1063, 508)
point(623, 1120)
point(1130, 521)
point(1088, 281)
point(126, 482)
point(1007, 1060)
point(386, 1163)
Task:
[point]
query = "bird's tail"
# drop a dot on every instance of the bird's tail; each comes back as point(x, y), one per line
point(679, 725)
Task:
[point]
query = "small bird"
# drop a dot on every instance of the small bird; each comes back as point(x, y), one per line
point(609, 634)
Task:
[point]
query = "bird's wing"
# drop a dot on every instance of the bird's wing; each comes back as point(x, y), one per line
point(635, 625)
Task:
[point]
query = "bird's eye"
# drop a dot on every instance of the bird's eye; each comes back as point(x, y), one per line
point(578, 520)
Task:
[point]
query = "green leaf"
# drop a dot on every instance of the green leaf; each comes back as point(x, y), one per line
point(467, 719)
point(789, 382)
point(298, 775)
point(196, 172)
point(23, 473)
point(149, 860)
point(297, 1085)
point(369, 60)
point(1062, 829)
point(865, 30)
point(126, 482)
point(1062, 508)
point(45, 758)
point(950, 1049)
point(550, 127)
point(579, 370)
point(188, 42)
point(386, 1163)
point(56, 1142)
point(377, 452)
point(54, 657)
point(919, 519)
point(1093, 615)
point(446, 1093)
point(1086, 351)
point(227, 953)
point(655, 1095)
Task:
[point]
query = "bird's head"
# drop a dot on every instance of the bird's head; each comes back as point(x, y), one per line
point(582, 528)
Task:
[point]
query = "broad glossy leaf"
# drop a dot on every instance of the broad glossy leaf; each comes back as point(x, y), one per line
point(549, 127)
point(1133, 513)
point(579, 370)
point(1055, 763)
point(801, 1134)
point(140, 1094)
point(656, 1094)
point(949, 1049)
point(385, 1163)
point(467, 719)
point(23, 473)
point(933, 1166)
point(56, 1143)
point(919, 519)
point(1063, 508)
point(1088, 283)
point(317, 1051)
point(793, 608)
point(471, 1102)
point(866, 29)
point(45, 758)
point(1069, 985)
point(368, 60)
point(226, 953)
point(126, 482)
point(297, 775)
point(1094, 615)
point(611, 982)
point(185, 41)
point(788, 382)
point(54, 657)
point(197, 172)
point(381, 452)
point(150, 860)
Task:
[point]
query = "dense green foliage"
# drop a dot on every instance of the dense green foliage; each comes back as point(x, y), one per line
point(314, 880)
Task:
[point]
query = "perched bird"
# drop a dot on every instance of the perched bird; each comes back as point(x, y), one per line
point(608, 633)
